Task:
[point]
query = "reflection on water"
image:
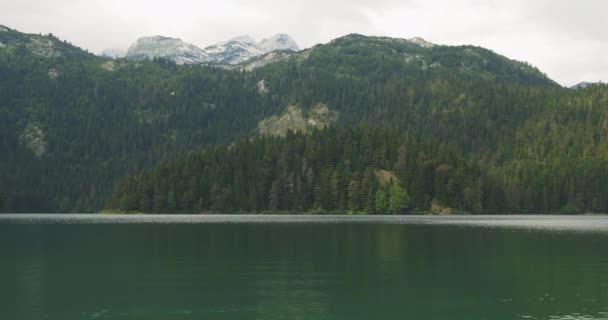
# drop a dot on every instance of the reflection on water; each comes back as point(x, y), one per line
point(226, 267)
point(580, 316)
point(29, 278)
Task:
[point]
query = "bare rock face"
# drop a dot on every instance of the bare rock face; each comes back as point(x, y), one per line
point(265, 59)
point(295, 120)
point(109, 66)
point(53, 74)
point(321, 116)
point(262, 89)
point(421, 42)
point(33, 138)
point(43, 47)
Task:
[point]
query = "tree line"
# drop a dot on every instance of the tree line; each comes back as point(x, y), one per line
point(354, 170)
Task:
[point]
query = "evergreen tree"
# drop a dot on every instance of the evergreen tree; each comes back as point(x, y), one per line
point(274, 197)
point(354, 195)
point(171, 202)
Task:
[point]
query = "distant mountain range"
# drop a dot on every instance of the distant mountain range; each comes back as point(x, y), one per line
point(583, 84)
point(234, 51)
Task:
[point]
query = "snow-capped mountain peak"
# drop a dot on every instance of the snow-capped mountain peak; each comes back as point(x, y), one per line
point(234, 51)
point(243, 48)
point(231, 52)
point(169, 48)
point(279, 42)
point(244, 39)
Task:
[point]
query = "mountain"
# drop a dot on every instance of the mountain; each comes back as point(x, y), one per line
point(244, 48)
point(582, 85)
point(278, 42)
point(234, 51)
point(74, 126)
point(43, 46)
point(352, 55)
point(231, 52)
point(173, 49)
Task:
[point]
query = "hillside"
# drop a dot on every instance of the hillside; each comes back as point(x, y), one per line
point(377, 58)
point(75, 125)
point(335, 170)
point(72, 123)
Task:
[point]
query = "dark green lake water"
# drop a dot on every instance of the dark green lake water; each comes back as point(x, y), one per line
point(219, 267)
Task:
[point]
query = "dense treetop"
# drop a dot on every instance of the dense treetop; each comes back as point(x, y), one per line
point(361, 170)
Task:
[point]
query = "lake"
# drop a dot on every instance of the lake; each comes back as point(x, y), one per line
point(303, 267)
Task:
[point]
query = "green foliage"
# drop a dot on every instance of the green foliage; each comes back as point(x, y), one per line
point(398, 199)
point(569, 208)
point(381, 201)
point(2, 197)
point(315, 172)
point(129, 202)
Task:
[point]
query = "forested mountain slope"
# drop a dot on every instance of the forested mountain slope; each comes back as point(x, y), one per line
point(73, 125)
point(360, 170)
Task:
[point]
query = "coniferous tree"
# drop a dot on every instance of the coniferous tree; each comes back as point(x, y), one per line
point(354, 194)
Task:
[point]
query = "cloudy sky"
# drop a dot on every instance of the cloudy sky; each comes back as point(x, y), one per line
point(566, 39)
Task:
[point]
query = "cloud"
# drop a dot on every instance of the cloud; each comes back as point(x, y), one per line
point(565, 39)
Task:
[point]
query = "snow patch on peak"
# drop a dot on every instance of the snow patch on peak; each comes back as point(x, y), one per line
point(243, 48)
point(279, 42)
point(243, 39)
point(4, 29)
point(235, 51)
point(169, 48)
point(154, 40)
point(421, 42)
point(582, 85)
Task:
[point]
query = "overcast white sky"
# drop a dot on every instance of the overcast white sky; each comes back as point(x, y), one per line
point(566, 39)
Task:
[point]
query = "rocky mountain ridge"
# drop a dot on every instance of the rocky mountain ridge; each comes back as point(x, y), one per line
point(232, 52)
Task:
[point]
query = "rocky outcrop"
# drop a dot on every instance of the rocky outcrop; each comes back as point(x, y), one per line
point(296, 120)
